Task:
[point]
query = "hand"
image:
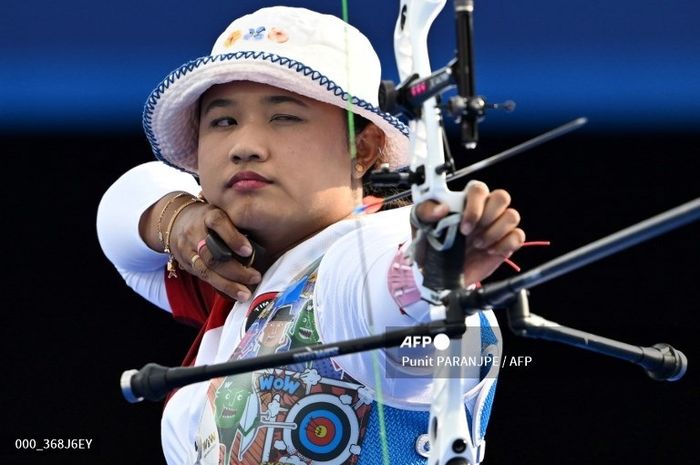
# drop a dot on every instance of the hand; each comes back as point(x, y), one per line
point(190, 228)
point(488, 224)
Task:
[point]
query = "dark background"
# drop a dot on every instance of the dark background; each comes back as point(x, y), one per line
point(74, 77)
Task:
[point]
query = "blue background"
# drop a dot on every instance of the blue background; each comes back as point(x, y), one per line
point(633, 65)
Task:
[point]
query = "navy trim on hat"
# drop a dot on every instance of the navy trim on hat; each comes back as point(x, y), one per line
point(291, 64)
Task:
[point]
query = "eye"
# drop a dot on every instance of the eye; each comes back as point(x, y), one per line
point(223, 122)
point(285, 118)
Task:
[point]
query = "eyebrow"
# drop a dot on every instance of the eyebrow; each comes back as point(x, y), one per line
point(277, 99)
point(268, 100)
point(217, 103)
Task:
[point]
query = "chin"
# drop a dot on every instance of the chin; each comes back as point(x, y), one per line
point(256, 218)
point(249, 220)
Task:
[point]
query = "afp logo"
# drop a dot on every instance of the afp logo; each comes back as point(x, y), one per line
point(440, 341)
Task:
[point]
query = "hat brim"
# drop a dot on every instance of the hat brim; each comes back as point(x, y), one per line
point(171, 122)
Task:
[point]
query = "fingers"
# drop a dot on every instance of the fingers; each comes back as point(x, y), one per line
point(235, 289)
point(486, 217)
point(190, 250)
point(218, 221)
point(508, 244)
point(230, 277)
point(482, 206)
point(477, 193)
point(498, 229)
point(229, 269)
point(495, 206)
point(489, 224)
point(198, 267)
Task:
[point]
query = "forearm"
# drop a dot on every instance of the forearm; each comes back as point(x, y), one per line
point(122, 208)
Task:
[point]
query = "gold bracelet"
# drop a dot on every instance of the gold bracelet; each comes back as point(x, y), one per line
point(172, 264)
point(162, 213)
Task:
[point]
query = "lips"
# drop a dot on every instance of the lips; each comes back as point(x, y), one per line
point(248, 180)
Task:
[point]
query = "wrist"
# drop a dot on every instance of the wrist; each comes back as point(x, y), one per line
point(172, 209)
point(172, 206)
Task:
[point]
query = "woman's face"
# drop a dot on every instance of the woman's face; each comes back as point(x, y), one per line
point(275, 161)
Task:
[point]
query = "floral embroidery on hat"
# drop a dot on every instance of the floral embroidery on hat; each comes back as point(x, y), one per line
point(232, 38)
point(256, 33)
point(277, 35)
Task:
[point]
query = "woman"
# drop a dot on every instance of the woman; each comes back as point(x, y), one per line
point(263, 123)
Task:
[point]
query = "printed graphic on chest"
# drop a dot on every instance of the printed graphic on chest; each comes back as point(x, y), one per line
point(304, 413)
point(289, 417)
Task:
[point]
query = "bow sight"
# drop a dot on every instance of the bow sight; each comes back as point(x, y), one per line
point(466, 107)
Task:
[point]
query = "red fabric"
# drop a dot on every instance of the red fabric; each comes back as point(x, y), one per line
point(196, 303)
point(190, 298)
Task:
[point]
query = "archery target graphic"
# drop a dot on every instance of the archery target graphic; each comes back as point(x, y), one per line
point(327, 429)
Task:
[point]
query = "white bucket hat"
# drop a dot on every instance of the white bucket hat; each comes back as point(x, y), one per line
point(308, 53)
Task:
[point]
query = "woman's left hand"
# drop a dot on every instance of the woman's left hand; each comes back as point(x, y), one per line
point(488, 224)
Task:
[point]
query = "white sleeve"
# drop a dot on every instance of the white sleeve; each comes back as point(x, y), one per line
point(118, 217)
point(349, 276)
point(352, 300)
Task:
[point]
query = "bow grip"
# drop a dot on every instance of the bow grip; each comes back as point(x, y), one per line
point(446, 266)
point(440, 251)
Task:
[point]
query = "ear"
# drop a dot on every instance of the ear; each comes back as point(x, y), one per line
point(369, 146)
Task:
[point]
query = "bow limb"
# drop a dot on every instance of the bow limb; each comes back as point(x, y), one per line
point(412, 58)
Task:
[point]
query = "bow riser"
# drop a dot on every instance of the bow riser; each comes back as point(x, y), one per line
point(448, 427)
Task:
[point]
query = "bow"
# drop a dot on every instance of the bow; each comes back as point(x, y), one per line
point(451, 438)
point(456, 437)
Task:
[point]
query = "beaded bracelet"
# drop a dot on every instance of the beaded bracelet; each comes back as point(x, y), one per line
point(172, 264)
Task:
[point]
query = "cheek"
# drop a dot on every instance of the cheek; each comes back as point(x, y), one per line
point(319, 173)
point(332, 157)
point(317, 159)
point(209, 162)
point(205, 156)
point(207, 182)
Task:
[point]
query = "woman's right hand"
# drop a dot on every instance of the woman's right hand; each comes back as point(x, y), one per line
point(187, 237)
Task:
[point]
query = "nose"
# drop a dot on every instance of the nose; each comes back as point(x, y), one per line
point(243, 155)
point(248, 144)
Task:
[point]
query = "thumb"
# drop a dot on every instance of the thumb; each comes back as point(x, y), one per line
point(431, 211)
